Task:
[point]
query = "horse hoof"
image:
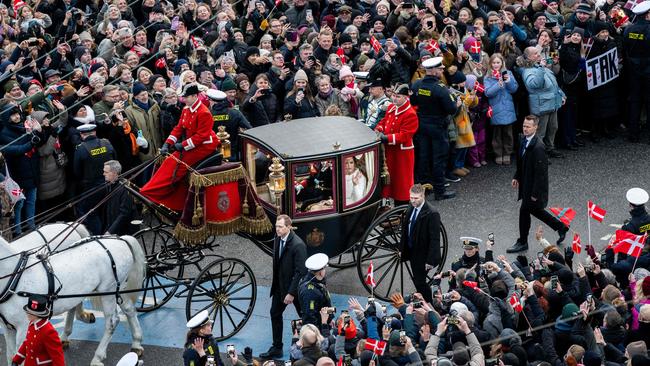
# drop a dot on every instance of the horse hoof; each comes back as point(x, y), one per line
point(138, 351)
point(91, 318)
point(96, 363)
point(65, 344)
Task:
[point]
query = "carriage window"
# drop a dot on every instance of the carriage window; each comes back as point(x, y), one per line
point(359, 172)
point(313, 184)
point(257, 164)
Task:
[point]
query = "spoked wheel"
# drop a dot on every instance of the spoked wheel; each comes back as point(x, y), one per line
point(348, 258)
point(380, 245)
point(164, 268)
point(227, 289)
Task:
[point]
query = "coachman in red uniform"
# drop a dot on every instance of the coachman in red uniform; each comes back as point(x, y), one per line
point(42, 345)
point(194, 140)
point(396, 131)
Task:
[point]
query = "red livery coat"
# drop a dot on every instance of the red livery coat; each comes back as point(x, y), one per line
point(399, 125)
point(42, 346)
point(200, 141)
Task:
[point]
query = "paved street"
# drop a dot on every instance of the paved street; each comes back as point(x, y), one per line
point(485, 203)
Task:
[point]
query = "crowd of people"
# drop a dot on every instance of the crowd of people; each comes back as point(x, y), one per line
point(92, 89)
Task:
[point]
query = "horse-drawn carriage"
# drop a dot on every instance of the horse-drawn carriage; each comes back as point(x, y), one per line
point(325, 173)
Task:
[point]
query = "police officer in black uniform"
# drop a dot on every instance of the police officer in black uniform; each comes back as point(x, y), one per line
point(225, 114)
point(639, 222)
point(636, 50)
point(88, 166)
point(435, 106)
point(201, 349)
point(312, 291)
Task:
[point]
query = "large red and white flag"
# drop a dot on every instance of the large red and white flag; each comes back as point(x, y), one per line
point(370, 276)
point(375, 44)
point(378, 347)
point(595, 212)
point(515, 303)
point(628, 243)
point(575, 245)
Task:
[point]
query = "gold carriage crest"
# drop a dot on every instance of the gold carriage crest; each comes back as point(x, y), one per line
point(315, 238)
point(224, 202)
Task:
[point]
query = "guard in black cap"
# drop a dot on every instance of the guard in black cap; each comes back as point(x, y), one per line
point(636, 53)
point(42, 342)
point(88, 167)
point(435, 105)
point(471, 257)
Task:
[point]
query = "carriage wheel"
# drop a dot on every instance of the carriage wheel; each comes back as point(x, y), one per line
point(227, 289)
point(348, 258)
point(380, 245)
point(164, 267)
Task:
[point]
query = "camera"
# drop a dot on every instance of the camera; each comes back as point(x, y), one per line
point(446, 297)
point(492, 361)
point(430, 24)
point(311, 58)
point(76, 14)
point(264, 91)
point(407, 5)
point(435, 289)
point(445, 274)
point(210, 361)
point(287, 363)
point(371, 300)
point(33, 43)
point(230, 349)
point(554, 280)
point(416, 304)
point(296, 325)
point(331, 310)
point(491, 235)
point(453, 318)
point(402, 337)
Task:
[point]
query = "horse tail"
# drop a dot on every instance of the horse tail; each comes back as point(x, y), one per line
point(138, 271)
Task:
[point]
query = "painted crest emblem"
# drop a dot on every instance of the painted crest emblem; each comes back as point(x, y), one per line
point(224, 202)
point(315, 238)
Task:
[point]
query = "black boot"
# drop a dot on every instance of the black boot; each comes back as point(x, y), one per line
point(562, 234)
point(272, 353)
point(517, 247)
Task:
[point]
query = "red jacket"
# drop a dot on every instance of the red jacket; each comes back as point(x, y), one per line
point(42, 346)
point(196, 122)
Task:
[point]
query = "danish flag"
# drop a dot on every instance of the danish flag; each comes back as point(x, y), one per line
point(596, 213)
point(432, 46)
point(341, 54)
point(377, 347)
point(471, 284)
point(370, 276)
point(479, 87)
point(375, 44)
point(629, 243)
point(575, 245)
point(566, 215)
point(515, 303)
point(16, 192)
point(161, 63)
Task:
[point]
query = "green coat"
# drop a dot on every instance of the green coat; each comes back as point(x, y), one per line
point(149, 123)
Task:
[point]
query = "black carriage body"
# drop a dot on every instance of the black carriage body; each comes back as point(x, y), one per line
point(314, 151)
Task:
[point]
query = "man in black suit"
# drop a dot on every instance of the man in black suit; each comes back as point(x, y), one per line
point(531, 178)
point(420, 242)
point(289, 256)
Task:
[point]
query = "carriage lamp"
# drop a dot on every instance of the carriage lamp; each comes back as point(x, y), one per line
point(223, 136)
point(277, 177)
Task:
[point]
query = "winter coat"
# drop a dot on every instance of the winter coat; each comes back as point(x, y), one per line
point(544, 93)
point(310, 356)
point(305, 109)
point(149, 123)
point(52, 176)
point(263, 111)
point(463, 124)
point(475, 351)
point(333, 99)
point(500, 99)
point(170, 114)
point(21, 156)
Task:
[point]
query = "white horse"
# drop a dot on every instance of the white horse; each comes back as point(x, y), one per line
point(57, 236)
point(86, 267)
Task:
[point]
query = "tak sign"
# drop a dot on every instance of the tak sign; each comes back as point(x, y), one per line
point(602, 69)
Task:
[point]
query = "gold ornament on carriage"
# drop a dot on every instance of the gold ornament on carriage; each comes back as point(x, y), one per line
point(223, 137)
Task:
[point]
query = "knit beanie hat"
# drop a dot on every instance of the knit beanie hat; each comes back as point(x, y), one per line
point(345, 71)
point(570, 310)
point(384, 3)
point(79, 51)
point(584, 8)
point(39, 116)
point(252, 50)
point(154, 78)
point(138, 88)
point(10, 85)
point(509, 337)
point(228, 84)
point(300, 75)
point(345, 38)
point(94, 67)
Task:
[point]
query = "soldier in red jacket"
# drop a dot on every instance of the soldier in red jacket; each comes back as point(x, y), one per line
point(194, 140)
point(42, 345)
point(396, 131)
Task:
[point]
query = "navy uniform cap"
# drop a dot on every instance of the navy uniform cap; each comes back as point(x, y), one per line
point(199, 320)
point(470, 242)
point(432, 63)
point(317, 262)
point(87, 127)
point(641, 8)
point(215, 94)
point(129, 359)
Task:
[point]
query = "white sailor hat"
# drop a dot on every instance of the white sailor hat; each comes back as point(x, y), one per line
point(361, 75)
point(87, 127)
point(637, 196)
point(129, 359)
point(215, 94)
point(199, 320)
point(641, 8)
point(470, 242)
point(317, 262)
point(433, 62)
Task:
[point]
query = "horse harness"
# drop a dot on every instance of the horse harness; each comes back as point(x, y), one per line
point(44, 259)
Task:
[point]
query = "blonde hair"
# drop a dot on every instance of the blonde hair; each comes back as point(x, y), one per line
point(310, 336)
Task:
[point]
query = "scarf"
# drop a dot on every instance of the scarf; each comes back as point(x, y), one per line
point(134, 145)
point(144, 106)
point(325, 95)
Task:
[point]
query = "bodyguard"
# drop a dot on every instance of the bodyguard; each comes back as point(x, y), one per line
point(225, 114)
point(435, 106)
point(639, 222)
point(313, 292)
point(636, 50)
point(88, 166)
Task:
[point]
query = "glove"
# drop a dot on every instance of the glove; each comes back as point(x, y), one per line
point(397, 300)
point(383, 138)
point(178, 146)
point(164, 150)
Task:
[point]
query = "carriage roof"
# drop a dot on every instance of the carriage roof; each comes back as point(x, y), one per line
point(309, 137)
